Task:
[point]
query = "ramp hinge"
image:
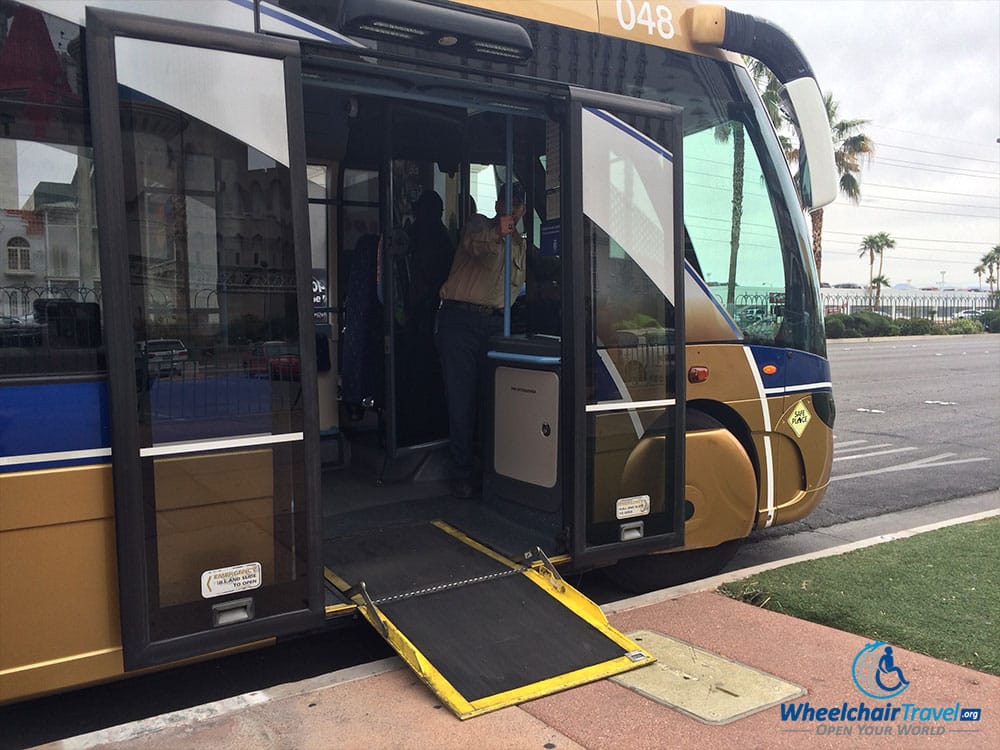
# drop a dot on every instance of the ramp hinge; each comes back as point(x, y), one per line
point(557, 580)
point(377, 619)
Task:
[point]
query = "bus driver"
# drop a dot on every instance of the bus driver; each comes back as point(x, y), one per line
point(472, 307)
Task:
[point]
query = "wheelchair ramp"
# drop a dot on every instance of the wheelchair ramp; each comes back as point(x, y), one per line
point(481, 631)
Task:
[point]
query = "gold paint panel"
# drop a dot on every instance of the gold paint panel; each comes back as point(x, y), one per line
point(789, 473)
point(602, 16)
point(212, 512)
point(815, 445)
point(614, 440)
point(58, 592)
point(187, 481)
point(80, 670)
point(725, 501)
point(729, 379)
point(41, 498)
point(58, 580)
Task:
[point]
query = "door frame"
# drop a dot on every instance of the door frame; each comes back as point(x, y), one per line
point(576, 285)
point(139, 648)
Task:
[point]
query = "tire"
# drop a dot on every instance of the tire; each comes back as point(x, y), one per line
point(640, 575)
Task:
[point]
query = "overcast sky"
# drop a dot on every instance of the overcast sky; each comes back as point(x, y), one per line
point(926, 74)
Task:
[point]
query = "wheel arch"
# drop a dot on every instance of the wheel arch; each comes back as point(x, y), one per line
point(726, 416)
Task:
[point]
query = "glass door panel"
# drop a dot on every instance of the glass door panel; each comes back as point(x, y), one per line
point(629, 196)
point(213, 285)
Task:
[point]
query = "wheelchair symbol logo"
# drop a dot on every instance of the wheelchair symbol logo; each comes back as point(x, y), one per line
point(876, 673)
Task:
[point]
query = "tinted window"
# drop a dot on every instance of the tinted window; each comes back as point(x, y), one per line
point(50, 280)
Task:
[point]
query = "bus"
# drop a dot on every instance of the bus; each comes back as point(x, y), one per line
point(223, 416)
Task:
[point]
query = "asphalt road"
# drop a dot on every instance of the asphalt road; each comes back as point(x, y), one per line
point(918, 422)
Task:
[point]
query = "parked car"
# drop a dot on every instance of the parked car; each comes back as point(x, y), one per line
point(971, 314)
point(164, 356)
point(847, 286)
point(749, 315)
point(20, 331)
point(278, 360)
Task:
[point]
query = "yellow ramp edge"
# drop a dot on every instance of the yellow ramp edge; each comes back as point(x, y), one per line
point(582, 607)
point(578, 605)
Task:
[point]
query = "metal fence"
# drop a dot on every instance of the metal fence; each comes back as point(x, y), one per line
point(932, 305)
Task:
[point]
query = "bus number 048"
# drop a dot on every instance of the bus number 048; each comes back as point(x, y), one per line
point(656, 18)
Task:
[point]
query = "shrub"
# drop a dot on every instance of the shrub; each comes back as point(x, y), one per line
point(991, 321)
point(846, 322)
point(835, 328)
point(917, 327)
point(964, 325)
point(868, 323)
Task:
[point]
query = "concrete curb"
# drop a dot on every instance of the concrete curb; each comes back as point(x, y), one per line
point(710, 584)
point(189, 716)
point(924, 337)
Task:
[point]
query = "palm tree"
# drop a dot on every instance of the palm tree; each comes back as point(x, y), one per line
point(992, 263)
point(979, 271)
point(872, 245)
point(769, 88)
point(722, 133)
point(878, 282)
point(850, 146)
point(887, 243)
point(868, 245)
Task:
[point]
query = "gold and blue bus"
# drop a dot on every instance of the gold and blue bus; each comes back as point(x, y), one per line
point(222, 417)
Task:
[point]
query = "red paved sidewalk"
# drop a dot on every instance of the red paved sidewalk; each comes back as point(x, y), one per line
point(393, 709)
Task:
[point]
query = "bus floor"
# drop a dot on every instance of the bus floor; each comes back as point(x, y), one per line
point(354, 503)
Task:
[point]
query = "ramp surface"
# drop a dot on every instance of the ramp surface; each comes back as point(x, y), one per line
point(482, 631)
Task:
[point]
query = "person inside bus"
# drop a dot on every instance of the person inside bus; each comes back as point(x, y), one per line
point(471, 311)
point(422, 417)
point(432, 253)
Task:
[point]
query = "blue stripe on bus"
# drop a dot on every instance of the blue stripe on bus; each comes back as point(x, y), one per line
point(534, 359)
point(278, 15)
point(629, 130)
point(53, 418)
point(799, 372)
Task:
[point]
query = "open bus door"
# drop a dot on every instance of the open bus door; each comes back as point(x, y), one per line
point(199, 144)
point(444, 580)
point(625, 389)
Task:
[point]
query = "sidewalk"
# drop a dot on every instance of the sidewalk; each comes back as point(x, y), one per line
point(384, 705)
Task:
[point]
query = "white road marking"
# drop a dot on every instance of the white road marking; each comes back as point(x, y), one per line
point(921, 463)
point(837, 449)
point(844, 444)
point(876, 453)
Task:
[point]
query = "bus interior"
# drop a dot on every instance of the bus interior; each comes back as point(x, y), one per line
point(385, 443)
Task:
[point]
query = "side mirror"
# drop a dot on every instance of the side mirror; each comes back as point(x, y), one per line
point(817, 170)
point(745, 34)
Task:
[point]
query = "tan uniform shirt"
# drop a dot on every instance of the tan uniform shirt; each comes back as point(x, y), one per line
point(477, 271)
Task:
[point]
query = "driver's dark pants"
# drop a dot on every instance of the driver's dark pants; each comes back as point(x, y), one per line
point(462, 335)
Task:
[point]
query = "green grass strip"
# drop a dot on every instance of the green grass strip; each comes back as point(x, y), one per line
point(936, 593)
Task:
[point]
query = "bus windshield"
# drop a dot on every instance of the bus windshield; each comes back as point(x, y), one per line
point(748, 248)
